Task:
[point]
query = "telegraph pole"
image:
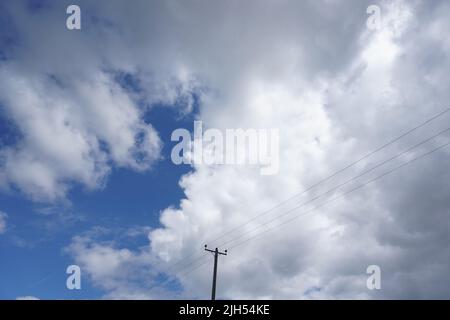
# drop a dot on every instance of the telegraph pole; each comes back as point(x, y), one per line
point(216, 256)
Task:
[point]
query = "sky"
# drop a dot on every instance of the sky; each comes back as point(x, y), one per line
point(87, 177)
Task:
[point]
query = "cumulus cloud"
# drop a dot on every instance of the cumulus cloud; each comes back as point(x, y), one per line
point(71, 135)
point(335, 90)
point(121, 272)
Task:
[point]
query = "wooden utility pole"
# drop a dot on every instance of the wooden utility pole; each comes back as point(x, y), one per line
point(216, 253)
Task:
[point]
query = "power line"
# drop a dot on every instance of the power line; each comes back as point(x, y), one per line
point(196, 266)
point(342, 195)
point(344, 183)
point(173, 268)
point(197, 259)
point(178, 275)
point(429, 120)
point(334, 174)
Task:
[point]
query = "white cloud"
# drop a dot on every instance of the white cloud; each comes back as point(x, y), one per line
point(122, 273)
point(70, 135)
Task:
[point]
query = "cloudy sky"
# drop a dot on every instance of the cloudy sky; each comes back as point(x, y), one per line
point(86, 175)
